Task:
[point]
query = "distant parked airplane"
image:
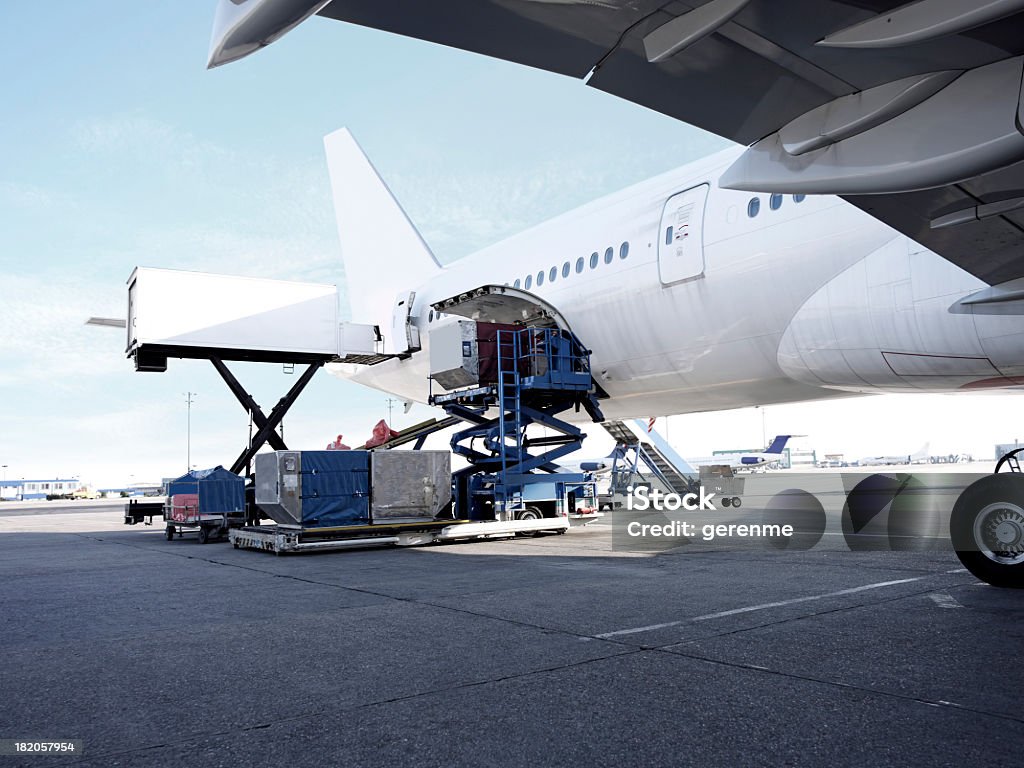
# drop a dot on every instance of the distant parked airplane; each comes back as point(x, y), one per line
point(770, 455)
point(921, 456)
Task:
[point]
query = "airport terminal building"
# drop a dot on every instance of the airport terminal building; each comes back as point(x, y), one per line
point(25, 490)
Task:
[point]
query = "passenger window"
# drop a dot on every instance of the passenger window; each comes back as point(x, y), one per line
point(552, 274)
point(579, 264)
point(540, 278)
point(624, 250)
point(754, 207)
point(594, 259)
point(775, 202)
point(430, 317)
point(565, 269)
point(609, 255)
point(668, 236)
point(799, 198)
point(516, 283)
point(529, 281)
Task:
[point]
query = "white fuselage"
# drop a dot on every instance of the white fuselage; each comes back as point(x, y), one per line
point(736, 461)
point(814, 299)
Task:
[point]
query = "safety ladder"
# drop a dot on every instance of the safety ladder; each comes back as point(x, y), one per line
point(510, 420)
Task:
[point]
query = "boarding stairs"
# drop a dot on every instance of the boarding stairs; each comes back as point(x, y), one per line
point(631, 452)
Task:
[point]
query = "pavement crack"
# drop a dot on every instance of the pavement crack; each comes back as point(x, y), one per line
point(324, 711)
point(382, 595)
point(793, 619)
point(838, 684)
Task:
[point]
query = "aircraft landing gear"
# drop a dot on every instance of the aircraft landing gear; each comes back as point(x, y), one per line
point(987, 529)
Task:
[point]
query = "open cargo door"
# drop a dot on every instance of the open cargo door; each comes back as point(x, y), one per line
point(503, 304)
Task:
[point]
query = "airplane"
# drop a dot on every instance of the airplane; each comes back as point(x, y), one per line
point(920, 456)
point(772, 454)
point(836, 303)
point(869, 223)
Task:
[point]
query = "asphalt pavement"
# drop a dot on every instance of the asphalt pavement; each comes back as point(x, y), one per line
point(553, 650)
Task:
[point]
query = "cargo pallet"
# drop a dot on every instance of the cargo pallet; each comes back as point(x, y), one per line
point(283, 540)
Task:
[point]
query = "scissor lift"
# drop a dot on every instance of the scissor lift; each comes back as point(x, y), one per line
point(542, 372)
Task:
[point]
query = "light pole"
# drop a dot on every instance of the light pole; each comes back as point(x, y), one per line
point(4, 467)
point(188, 432)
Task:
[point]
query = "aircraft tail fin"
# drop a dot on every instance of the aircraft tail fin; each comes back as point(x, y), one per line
point(381, 249)
point(778, 445)
point(922, 453)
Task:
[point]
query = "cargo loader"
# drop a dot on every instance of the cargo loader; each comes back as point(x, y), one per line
point(500, 379)
point(510, 369)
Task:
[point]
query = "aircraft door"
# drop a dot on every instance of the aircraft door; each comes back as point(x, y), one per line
point(681, 240)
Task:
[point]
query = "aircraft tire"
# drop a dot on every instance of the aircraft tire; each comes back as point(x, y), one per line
point(987, 529)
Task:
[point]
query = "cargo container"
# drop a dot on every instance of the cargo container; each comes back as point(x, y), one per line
point(343, 499)
point(207, 502)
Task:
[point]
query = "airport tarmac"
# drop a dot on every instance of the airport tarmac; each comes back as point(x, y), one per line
point(543, 651)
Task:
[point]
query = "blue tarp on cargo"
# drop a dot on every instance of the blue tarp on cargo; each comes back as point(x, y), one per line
point(219, 490)
point(335, 488)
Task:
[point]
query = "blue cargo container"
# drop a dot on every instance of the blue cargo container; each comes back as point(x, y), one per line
point(335, 488)
point(219, 491)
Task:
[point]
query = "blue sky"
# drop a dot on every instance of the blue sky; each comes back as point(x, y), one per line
point(118, 148)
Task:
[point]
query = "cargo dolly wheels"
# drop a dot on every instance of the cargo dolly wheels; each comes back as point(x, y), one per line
point(169, 533)
point(529, 513)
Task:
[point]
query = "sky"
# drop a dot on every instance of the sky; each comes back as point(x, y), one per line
point(119, 149)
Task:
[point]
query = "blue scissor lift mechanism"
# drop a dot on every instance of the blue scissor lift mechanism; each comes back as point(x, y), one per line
point(542, 373)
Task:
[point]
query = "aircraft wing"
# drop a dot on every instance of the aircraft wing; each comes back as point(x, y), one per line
point(912, 112)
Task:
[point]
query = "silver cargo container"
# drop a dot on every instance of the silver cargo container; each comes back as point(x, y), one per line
point(279, 486)
point(409, 484)
point(455, 355)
